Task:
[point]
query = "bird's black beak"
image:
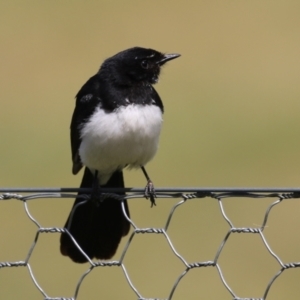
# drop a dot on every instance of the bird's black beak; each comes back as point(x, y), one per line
point(167, 57)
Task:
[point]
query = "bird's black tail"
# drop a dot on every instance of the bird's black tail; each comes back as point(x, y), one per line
point(96, 226)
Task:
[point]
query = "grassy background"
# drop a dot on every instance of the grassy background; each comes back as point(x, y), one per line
point(232, 119)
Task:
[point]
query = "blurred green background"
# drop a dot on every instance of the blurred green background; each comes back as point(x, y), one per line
point(232, 120)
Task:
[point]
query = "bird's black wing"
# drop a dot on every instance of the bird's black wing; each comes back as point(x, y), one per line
point(157, 100)
point(87, 100)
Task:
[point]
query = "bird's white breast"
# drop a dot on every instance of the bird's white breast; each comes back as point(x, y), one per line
point(127, 136)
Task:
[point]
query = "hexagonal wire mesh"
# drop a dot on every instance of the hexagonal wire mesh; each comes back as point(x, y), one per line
point(183, 194)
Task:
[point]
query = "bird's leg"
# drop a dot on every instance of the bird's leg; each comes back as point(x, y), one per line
point(149, 189)
point(96, 190)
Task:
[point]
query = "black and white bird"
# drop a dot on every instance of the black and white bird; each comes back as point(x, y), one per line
point(116, 124)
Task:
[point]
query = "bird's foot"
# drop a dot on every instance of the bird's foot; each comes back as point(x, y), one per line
point(96, 190)
point(96, 195)
point(150, 192)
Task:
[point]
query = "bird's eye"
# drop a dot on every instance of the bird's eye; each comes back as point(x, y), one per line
point(145, 64)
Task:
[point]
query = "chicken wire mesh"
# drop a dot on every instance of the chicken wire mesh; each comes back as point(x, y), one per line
point(183, 195)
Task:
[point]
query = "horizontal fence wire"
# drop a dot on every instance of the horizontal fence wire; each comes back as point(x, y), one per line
point(183, 195)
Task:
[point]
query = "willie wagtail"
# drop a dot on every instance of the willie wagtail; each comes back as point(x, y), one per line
point(116, 124)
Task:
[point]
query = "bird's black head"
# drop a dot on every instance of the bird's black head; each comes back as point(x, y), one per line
point(135, 65)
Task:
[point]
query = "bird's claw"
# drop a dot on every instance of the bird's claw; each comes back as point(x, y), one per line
point(96, 194)
point(150, 192)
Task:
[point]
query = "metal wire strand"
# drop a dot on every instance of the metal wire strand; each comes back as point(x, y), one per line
point(183, 195)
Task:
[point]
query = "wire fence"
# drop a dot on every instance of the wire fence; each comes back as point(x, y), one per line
point(183, 195)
